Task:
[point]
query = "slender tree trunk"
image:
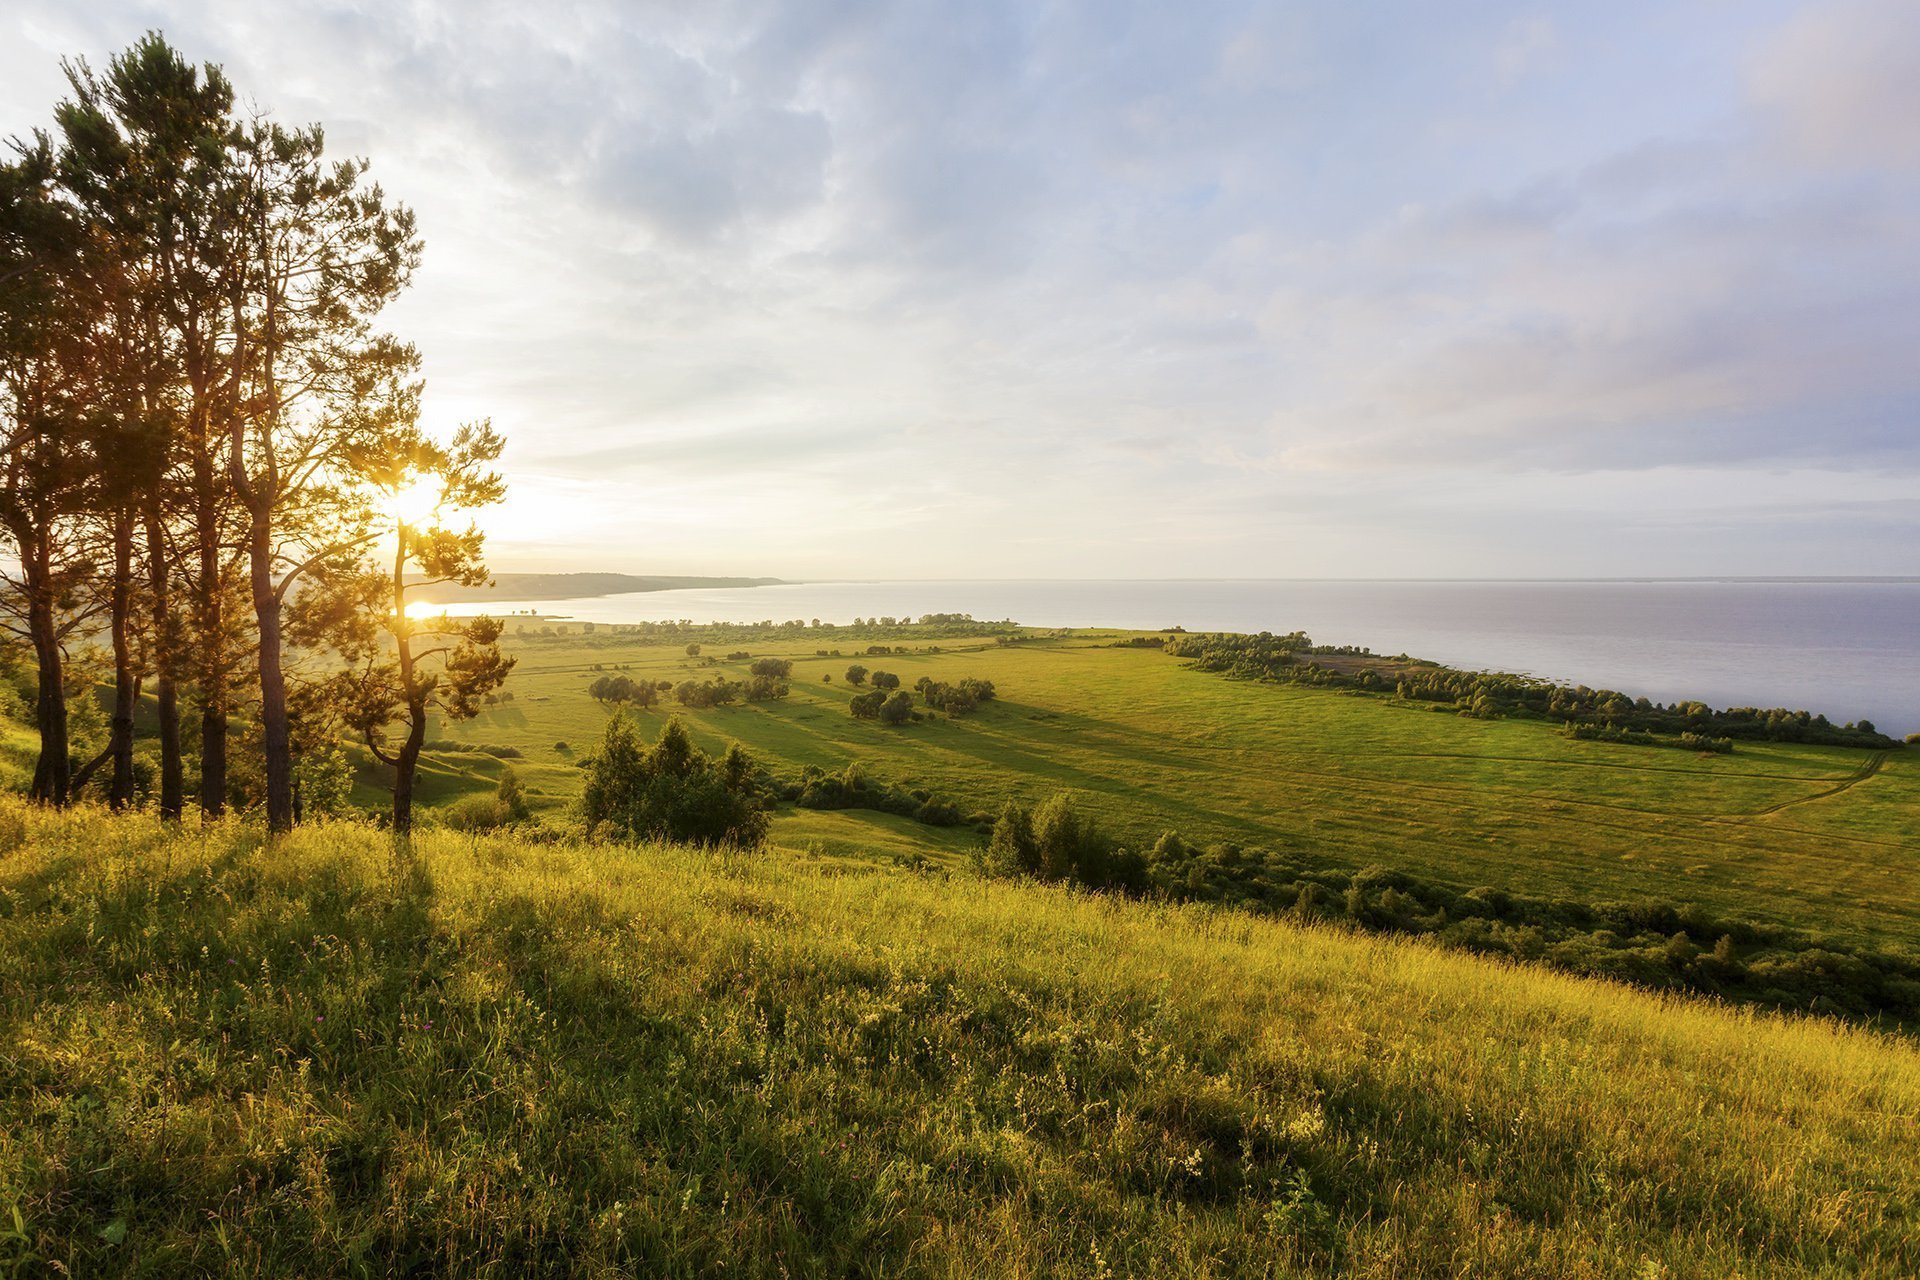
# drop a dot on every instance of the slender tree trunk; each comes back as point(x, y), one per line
point(166, 677)
point(126, 681)
point(406, 766)
point(407, 763)
point(273, 678)
point(53, 771)
point(210, 628)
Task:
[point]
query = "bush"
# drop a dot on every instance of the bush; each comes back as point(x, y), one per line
point(897, 709)
point(765, 688)
point(717, 692)
point(853, 789)
point(777, 668)
point(504, 808)
point(957, 699)
point(476, 813)
point(477, 748)
point(670, 791)
point(512, 797)
point(1055, 842)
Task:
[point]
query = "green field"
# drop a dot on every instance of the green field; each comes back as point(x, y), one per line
point(471, 1056)
point(1816, 837)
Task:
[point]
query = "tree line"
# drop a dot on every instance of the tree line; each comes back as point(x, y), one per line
point(206, 441)
point(1492, 695)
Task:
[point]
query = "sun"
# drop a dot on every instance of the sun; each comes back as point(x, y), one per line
point(415, 501)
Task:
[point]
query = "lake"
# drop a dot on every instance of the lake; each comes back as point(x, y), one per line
point(1846, 648)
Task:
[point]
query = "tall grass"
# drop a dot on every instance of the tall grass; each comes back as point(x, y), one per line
point(332, 1056)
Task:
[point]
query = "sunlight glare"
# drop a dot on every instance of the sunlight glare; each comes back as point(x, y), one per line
point(416, 501)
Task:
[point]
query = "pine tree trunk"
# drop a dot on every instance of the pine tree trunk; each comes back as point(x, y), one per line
point(406, 765)
point(126, 681)
point(166, 679)
point(408, 761)
point(53, 771)
point(210, 628)
point(273, 679)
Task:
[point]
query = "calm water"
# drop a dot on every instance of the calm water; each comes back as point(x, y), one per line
point(1847, 649)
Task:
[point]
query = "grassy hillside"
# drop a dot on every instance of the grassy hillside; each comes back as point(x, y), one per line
point(1809, 836)
point(329, 1056)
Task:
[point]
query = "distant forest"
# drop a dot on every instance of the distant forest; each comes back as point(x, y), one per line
point(1605, 714)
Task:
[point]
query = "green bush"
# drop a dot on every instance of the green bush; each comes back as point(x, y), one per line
point(476, 813)
point(670, 791)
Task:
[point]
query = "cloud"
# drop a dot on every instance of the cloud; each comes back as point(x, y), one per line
point(1841, 83)
point(1117, 287)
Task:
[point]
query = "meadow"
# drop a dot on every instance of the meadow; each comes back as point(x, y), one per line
point(332, 1055)
point(1818, 838)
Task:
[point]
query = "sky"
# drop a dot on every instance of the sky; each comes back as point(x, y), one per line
point(1127, 290)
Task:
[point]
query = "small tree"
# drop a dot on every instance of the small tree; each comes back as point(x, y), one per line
point(856, 674)
point(609, 691)
point(405, 668)
point(693, 651)
point(670, 791)
point(762, 688)
point(1057, 836)
point(512, 796)
point(885, 680)
point(897, 709)
point(1010, 849)
point(778, 668)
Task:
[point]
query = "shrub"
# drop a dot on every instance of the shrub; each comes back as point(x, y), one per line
point(957, 699)
point(512, 797)
point(670, 791)
point(778, 668)
point(717, 692)
point(1055, 842)
point(897, 709)
point(765, 688)
point(476, 813)
point(325, 779)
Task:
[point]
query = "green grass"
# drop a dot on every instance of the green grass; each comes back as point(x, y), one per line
point(329, 1056)
point(19, 748)
point(1818, 838)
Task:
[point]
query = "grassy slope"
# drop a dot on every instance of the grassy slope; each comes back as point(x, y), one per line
point(1816, 837)
point(483, 1055)
point(19, 748)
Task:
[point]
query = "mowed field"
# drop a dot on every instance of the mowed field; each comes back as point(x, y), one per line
point(1823, 838)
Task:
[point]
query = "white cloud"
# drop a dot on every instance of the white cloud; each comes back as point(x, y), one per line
point(1841, 82)
point(1110, 289)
